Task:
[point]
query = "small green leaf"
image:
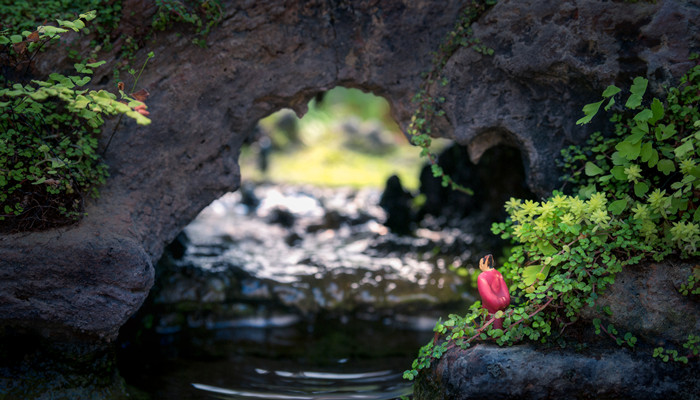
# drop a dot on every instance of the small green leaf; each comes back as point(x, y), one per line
point(664, 132)
point(617, 206)
point(89, 16)
point(683, 149)
point(611, 91)
point(640, 189)
point(592, 169)
point(644, 115)
point(654, 159)
point(80, 81)
point(590, 110)
point(611, 103)
point(95, 64)
point(639, 86)
point(16, 38)
point(666, 166)
point(529, 274)
point(646, 152)
point(657, 109)
point(629, 150)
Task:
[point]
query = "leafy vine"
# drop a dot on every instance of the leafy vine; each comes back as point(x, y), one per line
point(48, 131)
point(427, 107)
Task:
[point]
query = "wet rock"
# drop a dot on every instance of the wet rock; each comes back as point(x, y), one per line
point(645, 300)
point(530, 372)
point(32, 367)
point(41, 284)
point(282, 217)
point(396, 201)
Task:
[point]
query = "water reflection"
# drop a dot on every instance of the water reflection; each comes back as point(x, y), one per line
point(327, 358)
point(316, 385)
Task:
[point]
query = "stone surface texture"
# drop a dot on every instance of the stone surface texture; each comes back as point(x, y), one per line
point(550, 58)
point(526, 372)
point(645, 300)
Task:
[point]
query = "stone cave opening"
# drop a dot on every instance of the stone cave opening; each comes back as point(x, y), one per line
point(331, 262)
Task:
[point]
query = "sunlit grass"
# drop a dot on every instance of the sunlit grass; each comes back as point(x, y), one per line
point(323, 157)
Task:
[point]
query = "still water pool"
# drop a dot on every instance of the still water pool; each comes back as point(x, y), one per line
point(327, 358)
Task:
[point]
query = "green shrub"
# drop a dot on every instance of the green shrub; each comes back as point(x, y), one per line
point(48, 132)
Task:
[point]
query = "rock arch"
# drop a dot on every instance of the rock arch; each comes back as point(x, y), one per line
point(550, 58)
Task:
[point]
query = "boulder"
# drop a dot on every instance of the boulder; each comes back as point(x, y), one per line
point(644, 300)
point(531, 372)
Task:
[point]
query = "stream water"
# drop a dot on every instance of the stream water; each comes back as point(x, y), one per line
point(280, 292)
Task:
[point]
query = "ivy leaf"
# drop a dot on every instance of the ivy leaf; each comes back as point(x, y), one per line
point(590, 110)
point(639, 86)
point(666, 166)
point(617, 206)
point(657, 109)
point(640, 189)
point(592, 169)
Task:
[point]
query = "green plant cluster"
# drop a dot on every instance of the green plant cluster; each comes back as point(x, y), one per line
point(649, 167)
point(692, 346)
point(428, 107)
point(202, 14)
point(48, 131)
point(25, 15)
point(635, 198)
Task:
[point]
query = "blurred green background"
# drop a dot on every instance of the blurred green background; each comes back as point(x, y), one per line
point(347, 138)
